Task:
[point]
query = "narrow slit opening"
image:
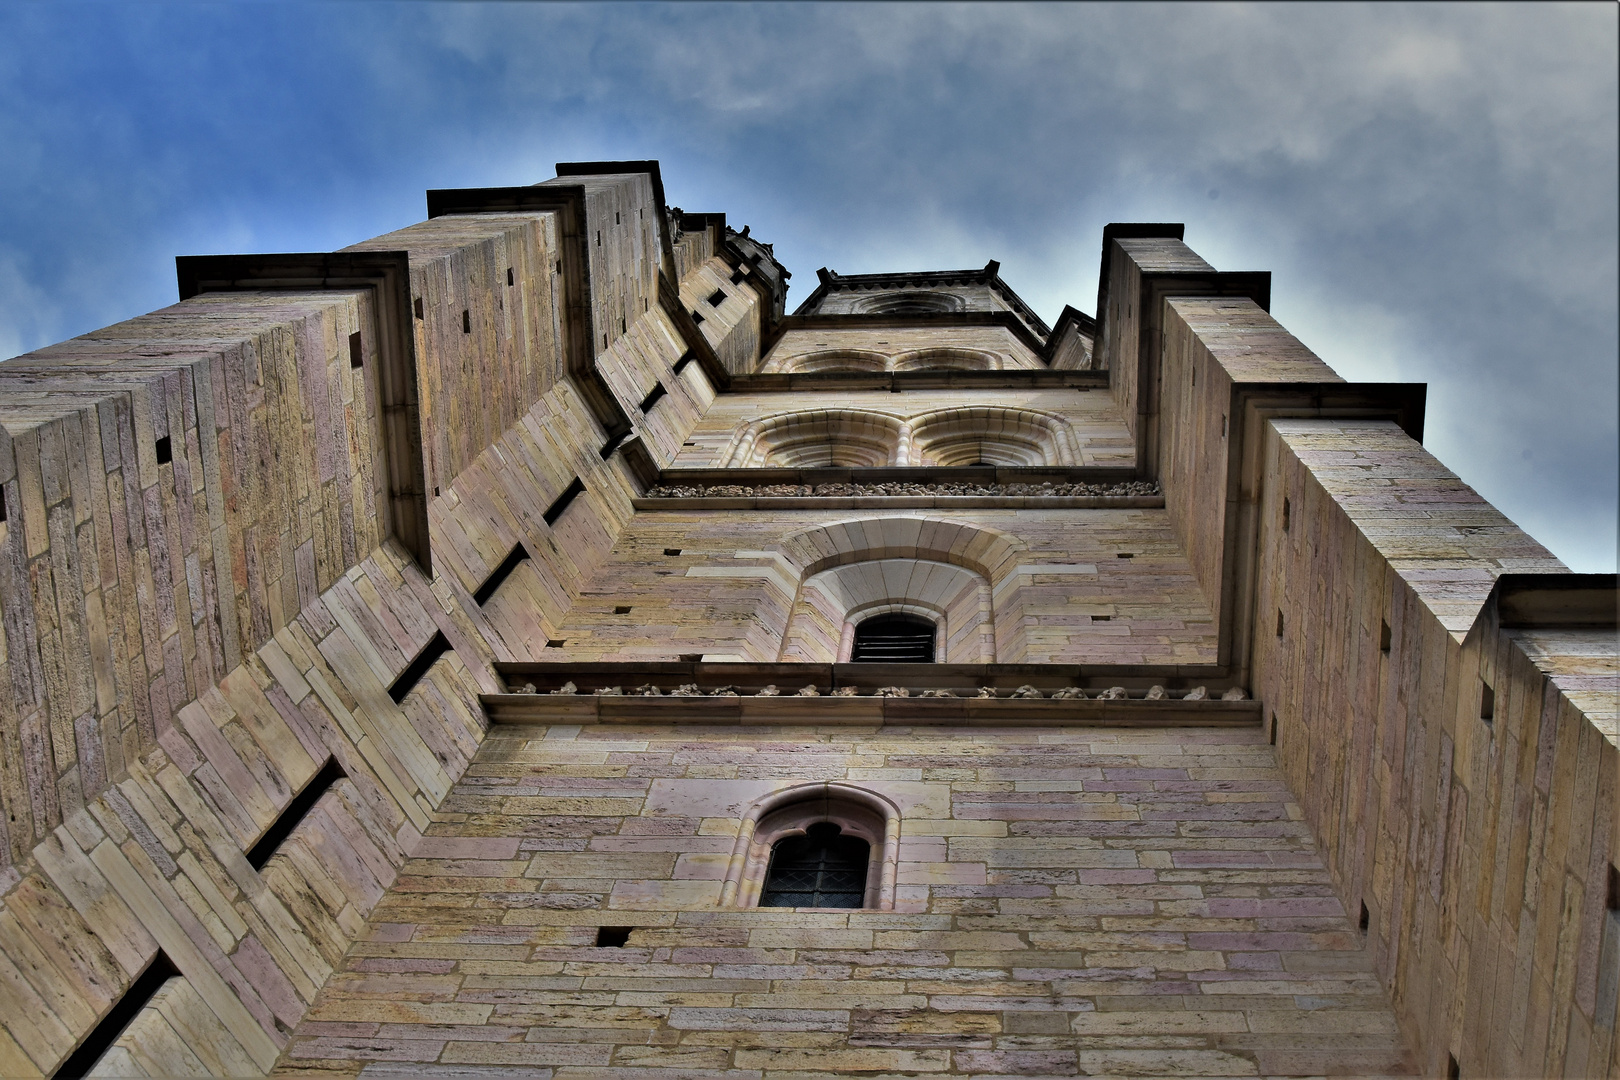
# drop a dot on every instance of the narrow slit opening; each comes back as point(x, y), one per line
point(686, 358)
point(125, 1009)
point(1287, 509)
point(1487, 701)
point(500, 574)
point(1366, 918)
point(357, 352)
point(1385, 638)
point(556, 643)
point(672, 551)
point(296, 811)
point(612, 445)
point(466, 321)
point(416, 305)
point(1279, 622)
point(652, 397)
point(563, 501)
point(510, 278)
point(622, 609)
point(413, 673)
point(165, 451)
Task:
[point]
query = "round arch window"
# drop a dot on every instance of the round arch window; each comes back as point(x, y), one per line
point(894, 638)
point(823, 868)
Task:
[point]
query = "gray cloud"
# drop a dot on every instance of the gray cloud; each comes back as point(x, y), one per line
point(1434, 187)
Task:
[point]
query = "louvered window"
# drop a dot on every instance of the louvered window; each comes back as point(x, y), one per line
point(823, 868)
point(894, 639)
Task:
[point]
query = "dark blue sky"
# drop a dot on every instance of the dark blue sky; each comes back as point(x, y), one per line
point(1434, 187)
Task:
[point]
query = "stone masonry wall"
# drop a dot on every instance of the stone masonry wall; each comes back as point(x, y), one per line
point(1482, 850)
point(1062, 593)
point(1069, 901)
point(267, 423)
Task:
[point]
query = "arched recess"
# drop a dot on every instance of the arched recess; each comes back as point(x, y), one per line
point(990, 554)
point(821, 625)
point(992, 435)
point(908, 303)
point(791, 811)
point(830, 360)
point(818, 437)
point(948, 359)
point(981, 548)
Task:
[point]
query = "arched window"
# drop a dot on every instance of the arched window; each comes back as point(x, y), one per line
point(824, 868)
point(909, 303)
point(816, 845)
point(894, 638)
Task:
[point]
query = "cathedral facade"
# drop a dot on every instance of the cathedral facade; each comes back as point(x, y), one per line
point(517, 645)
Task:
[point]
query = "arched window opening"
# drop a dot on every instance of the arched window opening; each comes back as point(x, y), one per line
point(909, 303)
point(894, 638)
point(824, 868)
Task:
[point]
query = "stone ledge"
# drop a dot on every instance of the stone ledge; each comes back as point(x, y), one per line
point(906, 502)
point(873, 711)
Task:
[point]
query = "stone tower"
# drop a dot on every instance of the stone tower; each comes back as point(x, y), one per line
point(516, 646)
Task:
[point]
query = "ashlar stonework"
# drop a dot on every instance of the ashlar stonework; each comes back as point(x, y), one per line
point(419, 656)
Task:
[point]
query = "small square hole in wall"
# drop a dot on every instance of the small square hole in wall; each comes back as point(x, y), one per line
point(1384, 637)
point(556, 643)
point(672, 551)
point(1366, 918)
point(717, 298)
point(466, 321)
point(696, 317)
point(613, 937)
point(1279, 622)
point(622, 609)
point(510, 279)
point(357, 352)
point(1487, 701)
point(165, 451)
point(1287, 507)
point(416, 305)
point(738, 277)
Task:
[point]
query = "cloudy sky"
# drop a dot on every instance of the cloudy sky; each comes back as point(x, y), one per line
point(1433, 187)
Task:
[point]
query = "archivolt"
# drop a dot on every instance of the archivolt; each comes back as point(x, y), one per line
point(820, 437)
point(991, 435)
point(830, 360)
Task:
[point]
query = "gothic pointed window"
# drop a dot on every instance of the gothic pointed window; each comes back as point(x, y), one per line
point(823, 868)
point(896, 638)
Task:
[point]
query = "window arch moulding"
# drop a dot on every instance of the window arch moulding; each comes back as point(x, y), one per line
point(821, 624)
point(790, 812)
point(991, 434)
point(857, 438)
point(829, 360)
